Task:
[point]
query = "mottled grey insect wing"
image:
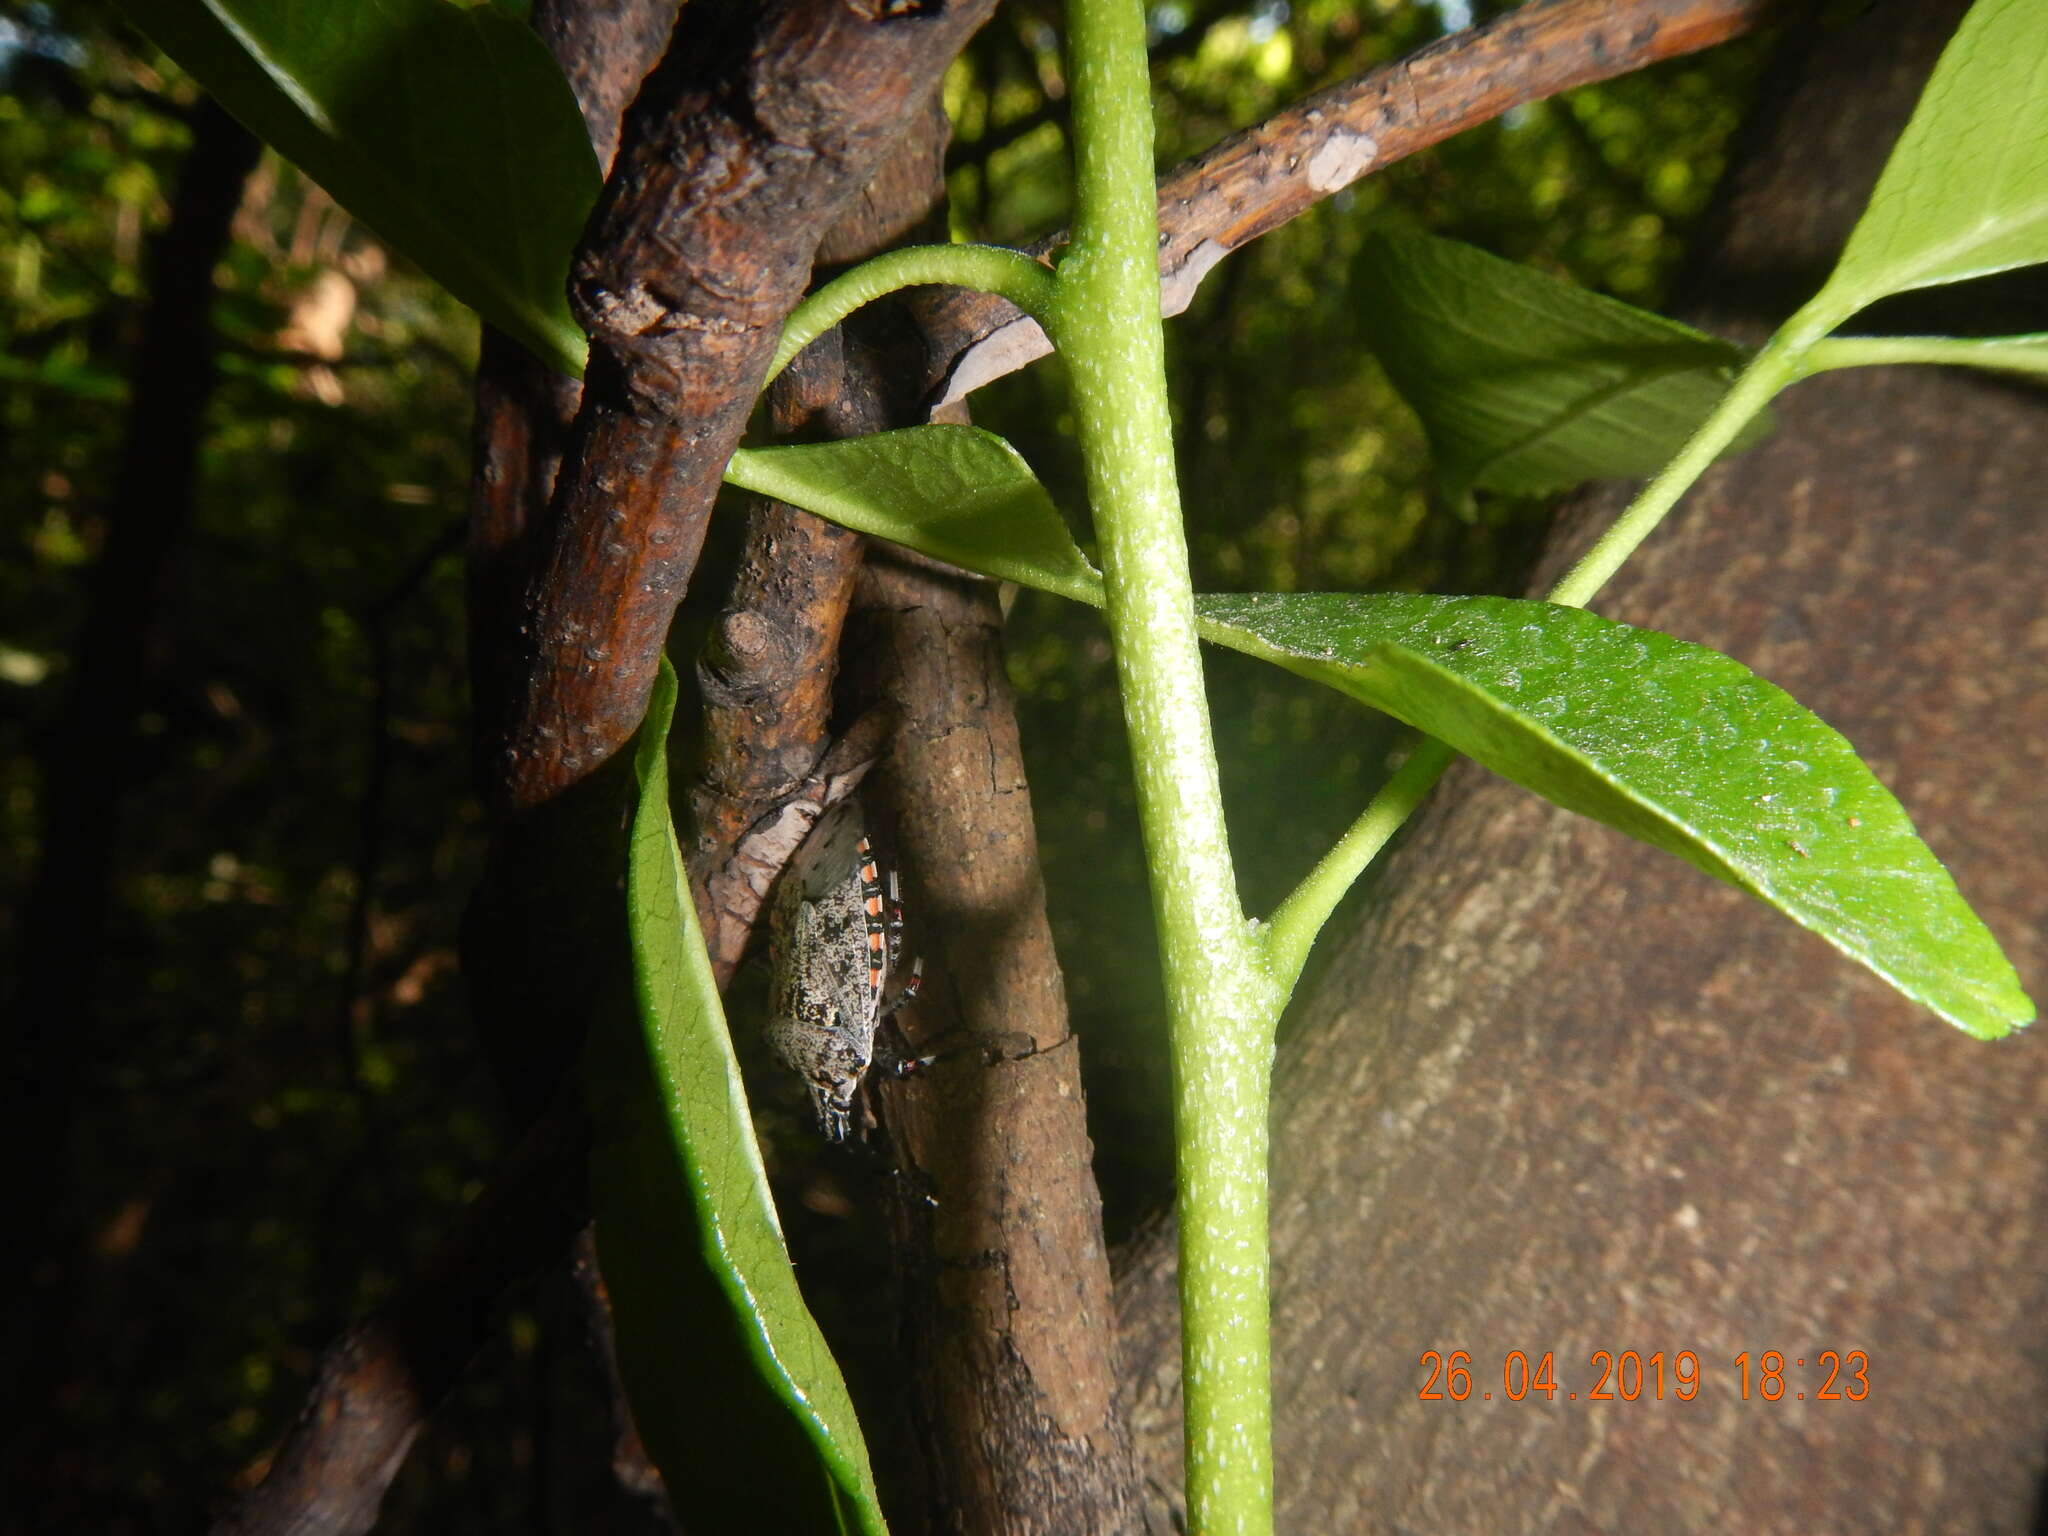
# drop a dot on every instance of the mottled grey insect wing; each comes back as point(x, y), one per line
point(831, 854)
point(826, 990)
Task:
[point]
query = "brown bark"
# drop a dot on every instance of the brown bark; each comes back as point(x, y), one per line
point(765, 675)
point(1006, 1319)
point(738, 155)
point(524, 409)
point(1560, 1093)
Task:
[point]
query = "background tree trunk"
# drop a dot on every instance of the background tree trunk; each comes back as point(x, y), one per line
point(1559, 1092)
point(90, 770)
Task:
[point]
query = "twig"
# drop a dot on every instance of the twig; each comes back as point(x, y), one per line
point(1253, 182)
point(377, 1382)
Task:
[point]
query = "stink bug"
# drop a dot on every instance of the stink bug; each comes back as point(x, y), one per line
point(836, 935)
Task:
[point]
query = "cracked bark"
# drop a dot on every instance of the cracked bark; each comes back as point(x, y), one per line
point(1560, 1093)
point(996, 1220)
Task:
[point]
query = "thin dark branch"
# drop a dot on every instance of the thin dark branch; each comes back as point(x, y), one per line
point(376, 791)
point(1058, 108)
point(978, 152)
point(377, 1382)
point(1594, 156)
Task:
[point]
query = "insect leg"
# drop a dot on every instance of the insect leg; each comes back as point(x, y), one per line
point(895, 933)
point(874, 910)
point(909, 992)
point(895, 921)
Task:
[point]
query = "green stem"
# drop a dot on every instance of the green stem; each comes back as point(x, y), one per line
point(1781, 362)
point(1790, 355)
point(1220, 1004)
point(1292, 929)
point(989, 268)
point(2009, 354)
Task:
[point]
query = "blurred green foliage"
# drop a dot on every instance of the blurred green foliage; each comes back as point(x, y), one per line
point(274, 1131)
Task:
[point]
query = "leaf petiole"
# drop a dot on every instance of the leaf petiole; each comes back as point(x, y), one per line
point(1026, 283)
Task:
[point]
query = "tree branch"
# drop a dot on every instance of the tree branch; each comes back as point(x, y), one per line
point(1253, 182)
point(738, 155)
point(524, 409)
point(378, 1382)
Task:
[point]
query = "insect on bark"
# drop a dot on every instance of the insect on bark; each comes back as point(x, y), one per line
point(836, 937)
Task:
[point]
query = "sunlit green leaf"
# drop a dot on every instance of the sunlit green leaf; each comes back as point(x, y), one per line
point(733, 1389)
point(1671, 743)
point(1965, 192)
point(956, 493)
point(1526, 384)
point(448, 129)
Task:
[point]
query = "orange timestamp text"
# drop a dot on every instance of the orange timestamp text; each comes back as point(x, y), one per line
point(1631, 1376)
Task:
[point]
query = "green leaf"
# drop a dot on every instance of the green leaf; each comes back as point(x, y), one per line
point(447, 129)
point(1965, 192)
point(1528, 385)
point(958, 494)
point(1669, 742)
point(734, 1391)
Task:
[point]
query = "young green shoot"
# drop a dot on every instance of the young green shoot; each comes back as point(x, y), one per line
point(991, 269)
